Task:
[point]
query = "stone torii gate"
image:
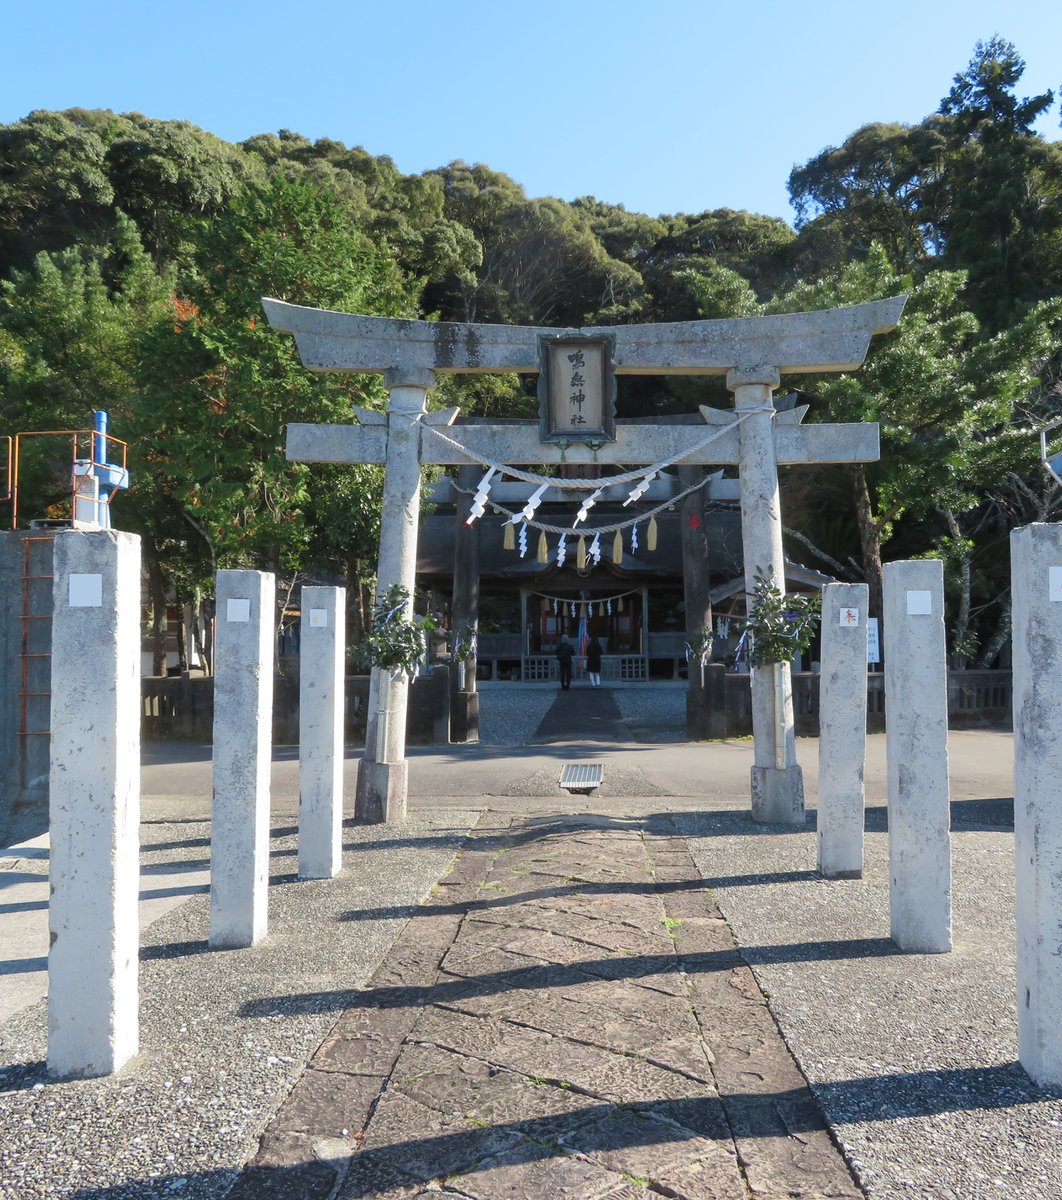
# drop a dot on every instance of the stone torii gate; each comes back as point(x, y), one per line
point(752, 352)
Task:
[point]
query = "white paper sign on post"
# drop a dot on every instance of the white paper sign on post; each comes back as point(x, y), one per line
point(238, 610)
point(919, 603)
point(86, 591)
point(848, 618)
point(873, 644)
point(319, 618)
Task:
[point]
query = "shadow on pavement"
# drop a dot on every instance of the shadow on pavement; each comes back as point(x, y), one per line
point(598, 1129)
point(452, 989)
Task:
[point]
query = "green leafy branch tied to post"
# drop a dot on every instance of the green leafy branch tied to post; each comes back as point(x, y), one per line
point(781, 626)
point(699, 647)
point(466, 644)
point(395, 642)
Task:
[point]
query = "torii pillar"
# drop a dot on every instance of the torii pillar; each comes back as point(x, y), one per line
point(777, 781)
point(752, 352)
point(383, 771)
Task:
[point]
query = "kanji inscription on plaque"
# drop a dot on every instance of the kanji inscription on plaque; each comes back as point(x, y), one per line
point(577, 390)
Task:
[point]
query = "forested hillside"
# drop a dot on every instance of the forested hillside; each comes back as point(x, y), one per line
point(133, 253)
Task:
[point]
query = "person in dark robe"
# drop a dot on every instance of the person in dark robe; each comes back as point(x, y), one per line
point(593, 662)
point(565, 654)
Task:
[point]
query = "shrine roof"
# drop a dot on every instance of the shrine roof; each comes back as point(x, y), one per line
point(798, 578)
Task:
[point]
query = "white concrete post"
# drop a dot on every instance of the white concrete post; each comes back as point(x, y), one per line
point(1036, 566)
point(243, 729)
point(322, 676)
point(382, 782)
point(842, 729)
point(93, 1009)
point(916, 746)
point(777, 782)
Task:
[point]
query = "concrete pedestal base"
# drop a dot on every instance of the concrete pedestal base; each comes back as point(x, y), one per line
point(381, 792)
point(778, 795)
point(464, 716)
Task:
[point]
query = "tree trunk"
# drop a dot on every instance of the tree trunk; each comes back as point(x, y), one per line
point(962, 620)
point(157, 589)
point(356, 609)
point(207, 611)
point(870, 544)
point(998, 639)
point(182, 649)
point(282, 607)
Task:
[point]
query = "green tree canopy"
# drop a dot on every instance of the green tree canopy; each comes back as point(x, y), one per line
point(540, 261)
point(876, 188)
point(943, 391)
point(70, 325)
point(55, 189)
point(171, 176)
point(221, 385)
point(1000, 209)
point(972, 188)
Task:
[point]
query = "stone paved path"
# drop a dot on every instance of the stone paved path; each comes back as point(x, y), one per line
point(582, 713)
point(567, 1016)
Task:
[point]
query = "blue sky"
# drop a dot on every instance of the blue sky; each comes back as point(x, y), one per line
point(666, 107)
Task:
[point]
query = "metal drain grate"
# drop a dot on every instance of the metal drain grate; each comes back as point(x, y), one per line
point(582, 777)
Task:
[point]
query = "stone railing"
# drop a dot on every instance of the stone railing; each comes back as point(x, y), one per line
point(976, 699)
point(544, 668)
point(979, 698)
point(183, 708)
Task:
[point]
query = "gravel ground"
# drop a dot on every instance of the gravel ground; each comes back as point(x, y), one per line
point(914, 1057)
point(510, 716)
point(224, 1035)
point(654, 715)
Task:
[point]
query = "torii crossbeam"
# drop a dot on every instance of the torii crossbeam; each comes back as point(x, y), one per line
point(752, 352)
